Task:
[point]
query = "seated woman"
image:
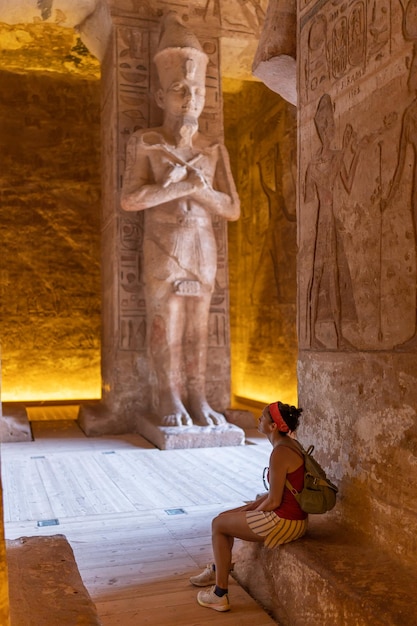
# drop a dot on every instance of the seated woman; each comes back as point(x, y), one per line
point(273, 518)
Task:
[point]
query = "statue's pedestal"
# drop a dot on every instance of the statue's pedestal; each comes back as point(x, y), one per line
point(176, 438)
point(97, 420)
point(14, 424)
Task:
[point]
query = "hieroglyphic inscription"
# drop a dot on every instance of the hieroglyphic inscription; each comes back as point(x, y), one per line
point(233, 16)
point(134, 82)
point(134, 88)
point(209, 124)
point(247, 16)
point(317, 66)
point(132, 302)
point(343, 43)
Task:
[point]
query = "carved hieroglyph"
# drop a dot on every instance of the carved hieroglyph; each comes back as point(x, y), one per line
point(358, 203)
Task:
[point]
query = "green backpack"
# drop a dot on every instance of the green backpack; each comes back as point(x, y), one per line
point(319, 493)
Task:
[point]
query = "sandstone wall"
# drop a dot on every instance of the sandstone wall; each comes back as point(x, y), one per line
point(357, 261)
point(261, 133)
point(50, 216)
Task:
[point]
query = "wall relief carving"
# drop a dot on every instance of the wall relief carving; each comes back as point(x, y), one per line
point(358, 205)
point(344, 43)
point(277, 180)
point(247, 16)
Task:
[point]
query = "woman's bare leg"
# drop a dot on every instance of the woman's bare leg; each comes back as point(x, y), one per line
point(225, 528)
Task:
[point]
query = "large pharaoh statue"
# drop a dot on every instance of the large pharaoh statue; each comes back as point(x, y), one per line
point(181, 179)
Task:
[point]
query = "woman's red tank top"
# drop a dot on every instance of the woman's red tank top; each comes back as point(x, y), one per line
point(289, 507)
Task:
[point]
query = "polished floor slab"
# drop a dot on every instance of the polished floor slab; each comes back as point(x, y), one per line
point(137, 518)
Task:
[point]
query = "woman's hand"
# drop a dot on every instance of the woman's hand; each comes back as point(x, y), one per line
point(253, 506)
point(250, 506)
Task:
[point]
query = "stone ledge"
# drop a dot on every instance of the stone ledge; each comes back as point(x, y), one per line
point(45, 586)
point(331, 576)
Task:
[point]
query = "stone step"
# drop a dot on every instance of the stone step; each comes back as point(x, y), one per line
point(330, 577)
point(45, 586)
point(14, 423)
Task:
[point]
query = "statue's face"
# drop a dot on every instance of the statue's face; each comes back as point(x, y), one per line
point(184, 97)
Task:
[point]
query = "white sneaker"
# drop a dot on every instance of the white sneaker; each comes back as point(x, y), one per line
point(206, 578)
point(209, 599)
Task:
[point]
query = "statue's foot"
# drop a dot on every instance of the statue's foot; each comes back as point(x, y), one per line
point(174, 413)
point(204, 415)
point(176, 419)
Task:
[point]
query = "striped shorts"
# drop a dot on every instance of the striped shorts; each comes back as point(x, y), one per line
point(275, 529)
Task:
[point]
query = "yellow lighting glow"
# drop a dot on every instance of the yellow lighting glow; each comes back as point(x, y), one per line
point(58, 386)
point(265, 395)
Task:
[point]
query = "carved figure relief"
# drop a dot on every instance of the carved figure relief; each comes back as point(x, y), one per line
point(364, 223)
point(408, 138)
point(279, 248)
point(327, 167)
point(181, 179)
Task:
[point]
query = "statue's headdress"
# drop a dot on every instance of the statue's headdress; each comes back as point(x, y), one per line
point(179, 53)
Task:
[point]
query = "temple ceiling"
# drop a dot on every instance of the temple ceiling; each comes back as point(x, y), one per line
point(34, 39)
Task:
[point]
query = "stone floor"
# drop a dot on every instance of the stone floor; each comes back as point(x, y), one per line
point(137, 518)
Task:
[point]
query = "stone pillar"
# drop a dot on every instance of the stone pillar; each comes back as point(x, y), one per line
point(357, 210)
point(275, 58)
point(128, 82)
